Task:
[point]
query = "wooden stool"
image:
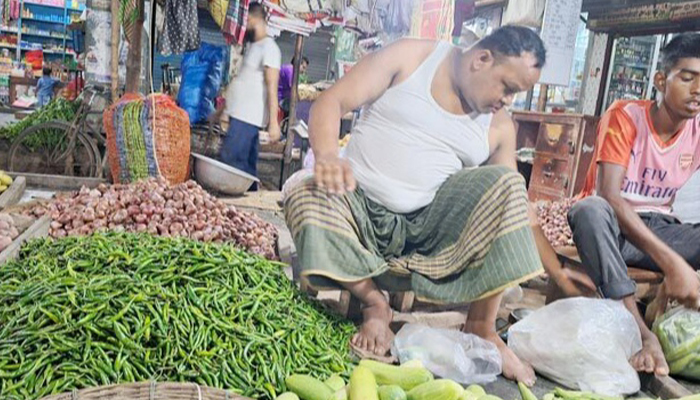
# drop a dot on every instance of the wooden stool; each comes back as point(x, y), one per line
point(349, 306)
point(647, 281)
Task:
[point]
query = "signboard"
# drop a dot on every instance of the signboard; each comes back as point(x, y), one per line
point(652, 13)
point(559, 29)
point(345, 42)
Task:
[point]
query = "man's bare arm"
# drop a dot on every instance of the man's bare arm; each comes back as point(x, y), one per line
point(682, 282)
point(272, 77)
point(503, 129)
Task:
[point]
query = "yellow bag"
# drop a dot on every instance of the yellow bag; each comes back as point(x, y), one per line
point(218, 9)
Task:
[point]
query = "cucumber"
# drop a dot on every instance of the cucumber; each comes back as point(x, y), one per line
point(335, 382)
point(287, 396)
point(363, 386)
point(391, 392)
point(308, 388)
point(477, 390)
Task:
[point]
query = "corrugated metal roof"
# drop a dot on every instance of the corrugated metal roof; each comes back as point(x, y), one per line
point(600, 7)
point(641, 17)
point(317, 48)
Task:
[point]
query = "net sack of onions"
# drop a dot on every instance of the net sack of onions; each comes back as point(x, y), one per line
point(552, 216)
point(147, 137)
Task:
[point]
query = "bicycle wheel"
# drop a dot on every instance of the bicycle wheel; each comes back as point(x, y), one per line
point(43, 149)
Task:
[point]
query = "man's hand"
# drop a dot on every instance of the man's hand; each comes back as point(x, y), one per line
point(334, 174)
point(682, 283)
point(275, 133)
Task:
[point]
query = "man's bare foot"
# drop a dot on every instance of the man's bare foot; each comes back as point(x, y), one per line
point(375, 335)
point(651, 358)
point(513, 368)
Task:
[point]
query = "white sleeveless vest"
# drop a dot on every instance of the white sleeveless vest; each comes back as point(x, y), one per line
point(405, 146)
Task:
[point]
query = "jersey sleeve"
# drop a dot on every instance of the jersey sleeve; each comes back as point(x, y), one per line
point(616, 135)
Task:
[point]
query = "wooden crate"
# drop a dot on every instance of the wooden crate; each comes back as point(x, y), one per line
point(31, 229)
point(14, 193)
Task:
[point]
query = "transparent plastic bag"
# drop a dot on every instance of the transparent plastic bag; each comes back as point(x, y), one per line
point(449, 354)
point(581, 343)
point(679, 333)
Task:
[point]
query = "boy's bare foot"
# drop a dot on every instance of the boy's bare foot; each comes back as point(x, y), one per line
point(374, 334)
point(651, 358)
point(512, 367)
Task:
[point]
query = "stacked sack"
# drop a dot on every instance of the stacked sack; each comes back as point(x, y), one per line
point(147, 137)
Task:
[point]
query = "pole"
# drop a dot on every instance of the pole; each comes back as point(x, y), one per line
point(542, 101)
point(528, 100)
point(115, 49)
point(289, 146)
point(133, 57)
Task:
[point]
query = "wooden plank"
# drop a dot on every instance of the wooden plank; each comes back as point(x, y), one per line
point(40, 228)
point(402, 301)
point(289, 145)
point(663, 387)
point(14, 193)
point(59, 182)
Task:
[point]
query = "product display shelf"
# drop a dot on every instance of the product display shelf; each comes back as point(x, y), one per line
point(43, 25)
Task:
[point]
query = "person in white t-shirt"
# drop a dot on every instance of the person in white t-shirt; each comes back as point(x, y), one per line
point(251, 98)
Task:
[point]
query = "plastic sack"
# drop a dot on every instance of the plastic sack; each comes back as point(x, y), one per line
point(202, 75)
point(679, 333)
point(524, 12)
point(449, 354)
point(581, 343)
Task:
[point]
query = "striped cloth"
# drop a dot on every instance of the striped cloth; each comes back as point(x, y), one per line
point(236, 21)
point(474, 240)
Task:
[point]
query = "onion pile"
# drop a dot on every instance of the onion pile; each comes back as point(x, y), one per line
point(552, 217)
point(8, 231)
point(158, 208)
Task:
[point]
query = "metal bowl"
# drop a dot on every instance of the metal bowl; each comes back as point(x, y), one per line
point(222, 178)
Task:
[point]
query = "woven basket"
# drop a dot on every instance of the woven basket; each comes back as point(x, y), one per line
point(149, 391)
point(207, 139)
point(158, 145)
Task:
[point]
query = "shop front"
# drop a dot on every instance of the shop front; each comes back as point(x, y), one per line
point(635, 37)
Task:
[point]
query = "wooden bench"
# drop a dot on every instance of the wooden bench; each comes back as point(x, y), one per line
point(647, 281)
point(349, 306)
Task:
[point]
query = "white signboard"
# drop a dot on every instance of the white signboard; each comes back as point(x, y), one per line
point(559, 28)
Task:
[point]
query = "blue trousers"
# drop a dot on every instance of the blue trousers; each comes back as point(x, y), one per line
point(241, 147)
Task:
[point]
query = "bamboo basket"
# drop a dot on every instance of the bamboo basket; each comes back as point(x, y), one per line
point(149, 391)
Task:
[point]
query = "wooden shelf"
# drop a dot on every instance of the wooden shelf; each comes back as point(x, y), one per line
point(51, 6)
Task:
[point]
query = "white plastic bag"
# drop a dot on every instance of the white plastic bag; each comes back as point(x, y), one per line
point(581, 343)
point(448, 354)
point(524, 12)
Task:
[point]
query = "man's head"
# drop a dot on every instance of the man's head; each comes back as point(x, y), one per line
point(679, 78)
point(257, 20)
point(497, 67)
point(304, 64)
point(47, 71)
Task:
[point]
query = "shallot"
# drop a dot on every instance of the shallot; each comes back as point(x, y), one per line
point(156, 207)
point(552, 217)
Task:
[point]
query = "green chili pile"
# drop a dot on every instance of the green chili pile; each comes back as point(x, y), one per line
point(58, 109)
point(119, 307)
